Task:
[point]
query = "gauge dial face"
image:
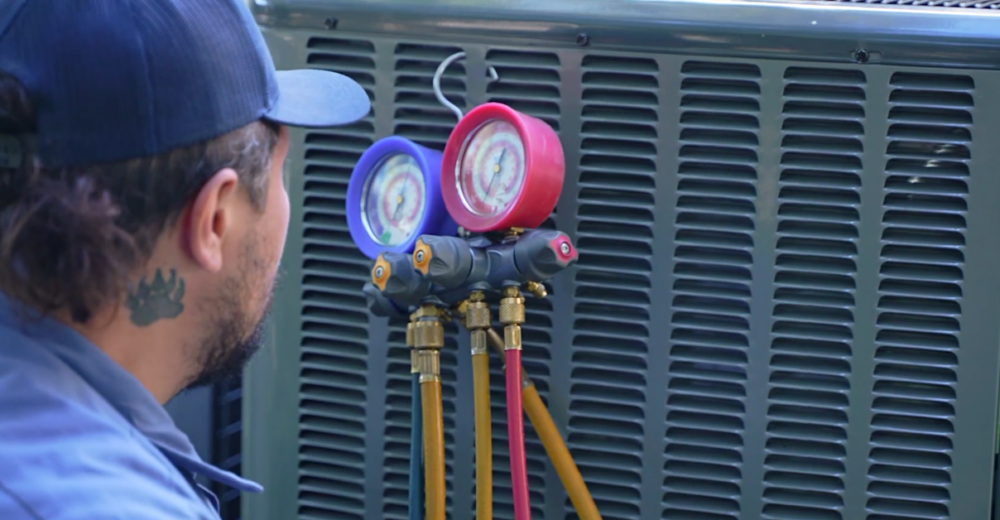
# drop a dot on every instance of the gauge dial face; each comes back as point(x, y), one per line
point(393, 200)
point(491, 171)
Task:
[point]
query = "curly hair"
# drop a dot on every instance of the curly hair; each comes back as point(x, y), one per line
point(71, 238)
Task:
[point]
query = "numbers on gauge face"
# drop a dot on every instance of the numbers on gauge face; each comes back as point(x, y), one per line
point(393, 200)
point(491, 171)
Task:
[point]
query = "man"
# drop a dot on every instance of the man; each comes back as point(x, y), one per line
point(142, 219)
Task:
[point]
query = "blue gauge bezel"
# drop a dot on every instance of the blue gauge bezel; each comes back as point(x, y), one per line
point(434, 220)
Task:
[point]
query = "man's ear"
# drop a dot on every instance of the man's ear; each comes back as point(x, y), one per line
point(210, 218)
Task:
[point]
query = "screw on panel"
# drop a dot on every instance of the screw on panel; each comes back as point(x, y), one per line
point(330, 23)
point(378, 271)
point(861, 55)
point(564, 248)
point(420, 256)
point(582, 39)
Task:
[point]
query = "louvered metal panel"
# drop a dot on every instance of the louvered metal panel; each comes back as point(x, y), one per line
point(920, 295)
point(770, 317)
point(713, 243)
point(810, 371)
point(397, 426)
point(611, 290)
point(335, 326)
point(227, 442)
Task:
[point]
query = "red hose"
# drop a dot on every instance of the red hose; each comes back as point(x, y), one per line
point(515, 433)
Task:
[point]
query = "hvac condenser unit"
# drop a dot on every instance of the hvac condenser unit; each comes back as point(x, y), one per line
point(787, 300)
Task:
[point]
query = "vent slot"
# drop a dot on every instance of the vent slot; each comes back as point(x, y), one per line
point(809, 383)
point(395, 501)
point(614, 236)
point(706, 393)
point(418, 114)
point(227, 443)
point(334, 345)
point(352, 58)
point(529, 82)
point(920, 292)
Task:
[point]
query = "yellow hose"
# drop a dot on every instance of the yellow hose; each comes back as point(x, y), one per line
point(561, 459)
point(484, 436)
point(430, 394)
point(553, 443)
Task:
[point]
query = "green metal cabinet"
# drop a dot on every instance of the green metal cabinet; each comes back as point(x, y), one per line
point(787, 299)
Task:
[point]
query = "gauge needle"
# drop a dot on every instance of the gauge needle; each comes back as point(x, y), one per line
point(399, 203)
point(496, 170)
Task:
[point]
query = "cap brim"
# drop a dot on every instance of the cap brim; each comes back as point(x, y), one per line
point(318, 98)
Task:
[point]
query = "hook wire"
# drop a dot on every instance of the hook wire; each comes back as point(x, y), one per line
point(437, 82)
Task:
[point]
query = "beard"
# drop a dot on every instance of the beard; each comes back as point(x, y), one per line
point(234, 336)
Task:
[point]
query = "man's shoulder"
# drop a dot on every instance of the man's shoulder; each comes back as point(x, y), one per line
point(65, 453)
point(44, 402)
point(33, 380)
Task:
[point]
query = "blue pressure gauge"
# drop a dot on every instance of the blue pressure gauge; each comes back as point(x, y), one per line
point(394, 196)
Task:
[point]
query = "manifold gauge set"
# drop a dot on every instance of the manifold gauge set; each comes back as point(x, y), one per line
point(447, 231)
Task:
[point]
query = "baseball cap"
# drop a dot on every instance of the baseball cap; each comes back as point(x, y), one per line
point(118, 79)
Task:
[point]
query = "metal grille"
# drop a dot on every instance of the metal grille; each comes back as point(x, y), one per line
point(397, 426)
point(923, 242)
point(809, 381)
point(227, 443)
point(334, 322)
point(765, 319)
point(617, 170)
point(418, 116)
point(529, 82)
point(715, 209)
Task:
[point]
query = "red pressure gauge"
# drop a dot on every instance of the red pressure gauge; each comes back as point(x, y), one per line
point(501, 169)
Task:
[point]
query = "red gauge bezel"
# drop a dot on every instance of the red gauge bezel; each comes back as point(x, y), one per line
point(544, 170)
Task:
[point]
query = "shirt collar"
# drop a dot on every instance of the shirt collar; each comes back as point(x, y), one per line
point(122, 390)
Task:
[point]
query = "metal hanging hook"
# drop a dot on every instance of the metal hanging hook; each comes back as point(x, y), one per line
point(437, 82)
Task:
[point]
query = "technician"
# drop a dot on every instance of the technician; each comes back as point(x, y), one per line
point(143, 215)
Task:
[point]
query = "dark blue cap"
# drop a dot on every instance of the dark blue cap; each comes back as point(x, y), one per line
point(119, 79)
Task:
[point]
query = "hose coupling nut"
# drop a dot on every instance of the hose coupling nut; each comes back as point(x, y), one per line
point(479, 342)
point(428, 334)
point(512, 306)
point(429, 363)
point(428, 310)
point(478, 316)
point(512, 337)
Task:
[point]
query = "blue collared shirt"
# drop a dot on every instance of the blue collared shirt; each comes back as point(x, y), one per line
point(81, 438)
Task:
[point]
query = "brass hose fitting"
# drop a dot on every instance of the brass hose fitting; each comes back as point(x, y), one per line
point(428, 339)
point(410, 343)
point(429, 365)
point(536, 289)
point(478, 320)
point(513, 233)
point(512, 316)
